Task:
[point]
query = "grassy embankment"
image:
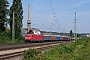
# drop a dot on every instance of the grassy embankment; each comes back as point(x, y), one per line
point(80, 50)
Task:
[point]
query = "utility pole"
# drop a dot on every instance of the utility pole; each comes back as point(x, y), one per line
point(28, 21)
point(13, 32)
point(75, 29)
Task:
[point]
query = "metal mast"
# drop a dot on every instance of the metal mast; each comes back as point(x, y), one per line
point(75, 29)
point(28, 21)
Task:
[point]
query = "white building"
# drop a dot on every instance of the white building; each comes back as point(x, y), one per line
point(34, 31)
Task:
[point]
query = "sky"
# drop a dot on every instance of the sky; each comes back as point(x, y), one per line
point(57, 15)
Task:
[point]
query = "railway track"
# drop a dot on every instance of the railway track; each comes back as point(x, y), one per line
point(24, 45)
point(11, 51)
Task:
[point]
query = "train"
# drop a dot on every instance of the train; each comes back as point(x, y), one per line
point(34, 37)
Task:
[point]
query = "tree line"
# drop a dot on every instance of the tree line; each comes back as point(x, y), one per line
point(6, 17)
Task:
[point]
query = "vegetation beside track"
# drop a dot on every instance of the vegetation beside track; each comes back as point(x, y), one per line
point(9, 41)
point(79, 50)
point(6, 25)
point(6, 39)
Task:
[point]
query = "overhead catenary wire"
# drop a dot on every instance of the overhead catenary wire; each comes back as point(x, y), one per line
point(50, 2)
point(52, 7)
point(37, 10)
point(44, 20)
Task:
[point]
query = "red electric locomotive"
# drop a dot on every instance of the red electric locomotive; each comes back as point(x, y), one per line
point(33, 37)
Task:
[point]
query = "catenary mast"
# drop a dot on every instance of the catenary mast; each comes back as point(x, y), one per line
point(75, 29)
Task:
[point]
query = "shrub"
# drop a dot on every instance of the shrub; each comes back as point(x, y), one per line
point(5, 38)
point(30, 54)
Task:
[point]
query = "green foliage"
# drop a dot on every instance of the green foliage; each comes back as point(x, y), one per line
point(6, 39)
point(79, 50)
point(30, 54)
point(18, 16)
point(9, 41)
point(3, 14)
point(71, 33)
point(5, 35)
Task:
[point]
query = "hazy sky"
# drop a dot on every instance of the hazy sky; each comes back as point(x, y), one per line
point(59, 14)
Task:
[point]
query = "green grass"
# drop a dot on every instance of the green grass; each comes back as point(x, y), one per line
point(79, 50)
point(9, 41)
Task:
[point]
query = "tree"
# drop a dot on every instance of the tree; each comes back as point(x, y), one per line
point(18, 16)
point(71, 34)
point(3, 14)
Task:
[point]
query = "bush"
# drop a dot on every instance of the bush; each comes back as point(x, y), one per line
point(30, 54)
point(5, 38)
